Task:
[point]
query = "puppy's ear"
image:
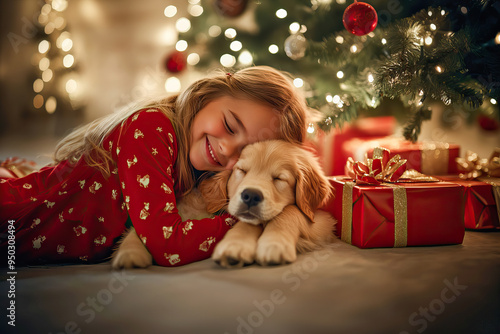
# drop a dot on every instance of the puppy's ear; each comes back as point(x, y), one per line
point(312, 188)
point(214, 191)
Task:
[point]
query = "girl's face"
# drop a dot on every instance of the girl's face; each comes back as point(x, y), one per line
point(224, 126)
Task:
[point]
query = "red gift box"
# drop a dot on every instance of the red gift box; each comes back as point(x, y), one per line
point(398, 215)
point(481, 210)
point(431, 158)
point(330, 145)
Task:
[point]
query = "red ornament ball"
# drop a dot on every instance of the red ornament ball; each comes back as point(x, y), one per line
point(175, 62)
point(360, 18)
point(230, 8)
point(487, 123)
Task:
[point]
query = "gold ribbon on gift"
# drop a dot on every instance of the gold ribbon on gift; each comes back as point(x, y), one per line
point(475, 167)
point(377, 169)
point(400, 213)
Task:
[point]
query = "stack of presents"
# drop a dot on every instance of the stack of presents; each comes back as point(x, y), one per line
point(394, 193)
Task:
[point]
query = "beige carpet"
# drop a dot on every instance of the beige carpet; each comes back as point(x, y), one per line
point(343, 289)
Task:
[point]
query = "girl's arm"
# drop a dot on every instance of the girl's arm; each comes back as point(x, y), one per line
point(146, 160)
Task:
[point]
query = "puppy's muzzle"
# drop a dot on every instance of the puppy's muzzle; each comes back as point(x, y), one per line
point(251, 197)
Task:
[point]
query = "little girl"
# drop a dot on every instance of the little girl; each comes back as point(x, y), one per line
point(131, 166)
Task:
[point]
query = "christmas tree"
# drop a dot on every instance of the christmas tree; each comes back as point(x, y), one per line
point(416, 52)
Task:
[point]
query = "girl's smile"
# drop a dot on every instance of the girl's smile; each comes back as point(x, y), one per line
point(224, 126)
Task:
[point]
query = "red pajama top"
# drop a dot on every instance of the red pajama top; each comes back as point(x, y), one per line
point(74, 214)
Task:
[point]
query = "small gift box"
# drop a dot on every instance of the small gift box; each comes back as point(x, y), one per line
point(480, 204)
point(480, 179)
point(331, 145)
point(428, 157)
point(374, 211)
point(431, 158)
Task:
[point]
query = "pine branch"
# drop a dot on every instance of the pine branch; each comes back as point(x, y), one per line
point(413, 127)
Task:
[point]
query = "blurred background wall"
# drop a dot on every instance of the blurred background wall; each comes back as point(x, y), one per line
point(106, 54)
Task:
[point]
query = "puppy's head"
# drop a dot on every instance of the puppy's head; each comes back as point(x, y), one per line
point(268, 176)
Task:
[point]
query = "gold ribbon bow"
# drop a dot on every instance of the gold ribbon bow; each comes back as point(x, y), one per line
point(474, 167)
point(380, 168)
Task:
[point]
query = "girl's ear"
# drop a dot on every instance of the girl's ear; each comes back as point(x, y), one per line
point(312, 188)
point(214, 191)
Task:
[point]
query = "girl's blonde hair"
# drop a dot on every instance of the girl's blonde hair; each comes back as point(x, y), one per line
point(258, 83)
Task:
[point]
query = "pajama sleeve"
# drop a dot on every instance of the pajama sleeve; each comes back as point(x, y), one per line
point(146, 155)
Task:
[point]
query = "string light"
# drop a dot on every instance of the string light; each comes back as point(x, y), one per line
point(294, 27)
point(67, 44)
point(47, 75)
point(298, 82)
point(49, 28)
point(384, 41)
point(433, 26)
point(329, 98)
point(173, 85)
point(38, 101)
point(235, 46)
point(43, 46)
point(181, 45)
point(439, 69)
point(227, 60)
point(195, 10)
point(230, 33)
point(60, 22)
point(170, 11)
point(281, 13)
point(339, 39)
point(68, 61)
point(44, 64)
point(71, 86)
point(336, 99)
point(493, 101)
point(340, 74)
point(193, 59)
point(354, 48)
point(214, 31)
point(497, 38)
point(46, 9)
point(51, 104)
point(245, 58)
point(59, 5)
point(273, 49)
point(370, 78)
point(183, 24)
point(38, 85)
point(428, 40)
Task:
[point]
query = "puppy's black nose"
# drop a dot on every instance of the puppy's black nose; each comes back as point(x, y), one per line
point(251, 197)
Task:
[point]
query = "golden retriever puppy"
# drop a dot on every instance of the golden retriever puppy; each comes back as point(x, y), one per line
point(274, 190)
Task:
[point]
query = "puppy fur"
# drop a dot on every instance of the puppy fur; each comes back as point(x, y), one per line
point(274, 190)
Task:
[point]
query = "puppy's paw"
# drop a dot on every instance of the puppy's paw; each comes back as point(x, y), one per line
point(234, 253)
point(274, 252)
point(131, 258)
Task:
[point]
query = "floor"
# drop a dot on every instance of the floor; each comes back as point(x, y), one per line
point(341, 289)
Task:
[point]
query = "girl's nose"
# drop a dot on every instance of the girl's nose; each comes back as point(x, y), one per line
point(231, 150)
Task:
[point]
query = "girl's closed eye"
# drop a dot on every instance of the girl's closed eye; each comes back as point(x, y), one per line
point(228, 127)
